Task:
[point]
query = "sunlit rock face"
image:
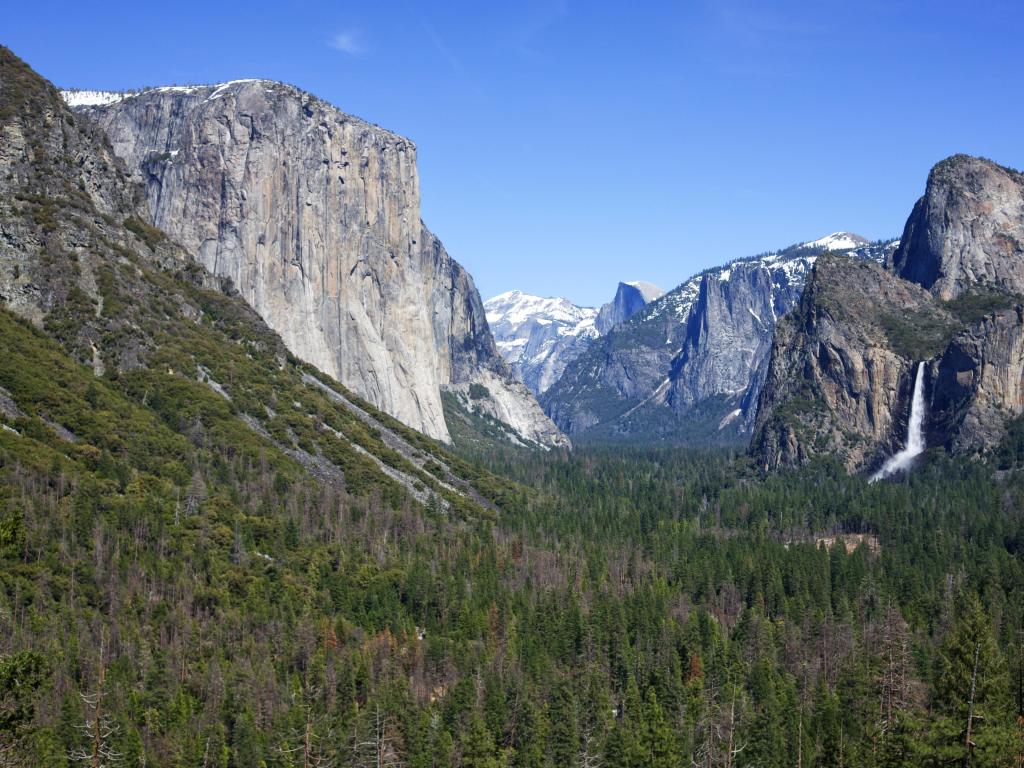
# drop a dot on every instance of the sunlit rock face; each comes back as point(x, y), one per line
point(314, 217)
point(967, 230)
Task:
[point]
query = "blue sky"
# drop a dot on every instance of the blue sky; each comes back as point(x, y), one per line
point(565, 145)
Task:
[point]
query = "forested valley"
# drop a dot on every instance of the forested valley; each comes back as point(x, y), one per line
point(623, 608)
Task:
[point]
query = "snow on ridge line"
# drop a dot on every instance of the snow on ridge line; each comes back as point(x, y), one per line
point(519, 297)
point(515, 308)
point(75, 97)
point(91, 98)
point(837, 241)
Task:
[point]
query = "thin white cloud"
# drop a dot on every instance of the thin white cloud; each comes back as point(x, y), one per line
point(349, 42)
point(442, 48)
point(534, 24)
point(446, 53)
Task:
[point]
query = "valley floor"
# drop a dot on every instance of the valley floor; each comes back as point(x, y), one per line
point(626, 608)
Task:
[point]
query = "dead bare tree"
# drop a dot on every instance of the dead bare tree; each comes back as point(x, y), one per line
point(377, 749)
point(196, 493)
point(893, 686)
point(717, 745)
point(98, 728)
point(309, 746)
point(590, 753)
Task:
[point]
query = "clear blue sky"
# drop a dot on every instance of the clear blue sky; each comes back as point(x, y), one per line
point(566, 145)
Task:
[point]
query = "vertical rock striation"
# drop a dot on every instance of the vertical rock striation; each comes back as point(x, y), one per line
point(314, 218)
point(728, 338)
point(630, 298)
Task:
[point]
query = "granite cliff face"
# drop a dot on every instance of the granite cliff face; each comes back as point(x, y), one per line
point(978, 382)
point(688, 368)
point(842, 366)
point(967, 231)
point(630, 298)
point(313, 215)
point(728, 337)
point(185, 378)
point(834, 355)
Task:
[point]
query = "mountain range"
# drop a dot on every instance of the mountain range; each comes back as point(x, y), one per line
point(812, 350)
point(124, 355)
point(273, 491)
point(681, 367)
point(311, 217)
point(539, 336)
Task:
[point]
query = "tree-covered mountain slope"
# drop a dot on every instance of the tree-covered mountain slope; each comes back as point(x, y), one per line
point(80, 262)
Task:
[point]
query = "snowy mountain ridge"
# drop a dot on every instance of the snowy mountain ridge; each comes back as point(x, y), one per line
point(538, 336)
point(689, 365)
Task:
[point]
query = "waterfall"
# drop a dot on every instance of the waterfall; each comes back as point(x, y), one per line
point(900, 462)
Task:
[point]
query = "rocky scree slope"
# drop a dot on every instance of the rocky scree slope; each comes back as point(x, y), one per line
point(121, 350)
point(314, 217)
point(688, 367)
point(843, 365)
point(540, 336)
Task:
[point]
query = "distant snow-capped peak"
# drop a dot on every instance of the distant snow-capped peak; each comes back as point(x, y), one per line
point(509, 311)
point(837, 241)
point(538, 336)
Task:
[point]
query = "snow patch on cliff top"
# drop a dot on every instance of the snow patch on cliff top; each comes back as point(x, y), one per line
point(76, 98)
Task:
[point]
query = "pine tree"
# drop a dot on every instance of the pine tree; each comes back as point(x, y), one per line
point(619, 746)
point(21, 676)
point(246, 741)
point(975, 726)
point(659, 748)
point(563, 731)
point(827, 727)
point(903, 745)
point(478, 749)
point(531, 736)
point(442, 750)
point(768, 746)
